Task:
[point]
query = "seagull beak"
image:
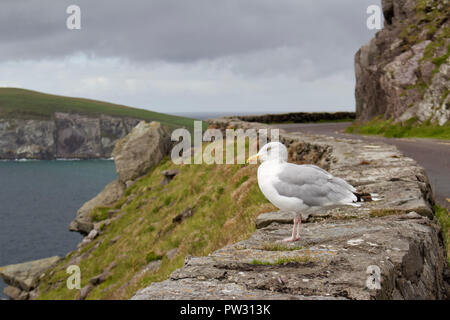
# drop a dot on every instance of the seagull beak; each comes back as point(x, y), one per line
point(253, 159)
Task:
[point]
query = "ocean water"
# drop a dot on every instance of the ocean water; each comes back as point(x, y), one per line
point(38, 200)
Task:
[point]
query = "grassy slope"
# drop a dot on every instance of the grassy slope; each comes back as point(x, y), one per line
point(395, 130)
point(226, 201)
point(443, 215)
point(21, 103)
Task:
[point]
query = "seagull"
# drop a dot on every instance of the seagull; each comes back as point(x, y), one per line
point(294, 188)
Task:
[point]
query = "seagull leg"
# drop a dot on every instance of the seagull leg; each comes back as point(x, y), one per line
point(299, 224)
point(294, 236)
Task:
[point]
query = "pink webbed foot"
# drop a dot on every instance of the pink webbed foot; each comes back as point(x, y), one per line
point(295, 230)
point(291, 239)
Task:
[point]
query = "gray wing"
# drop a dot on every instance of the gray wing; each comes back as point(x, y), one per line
point(313, 185)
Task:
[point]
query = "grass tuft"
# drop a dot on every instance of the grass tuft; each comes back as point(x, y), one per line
point(443, 215)
point(279, 247)
point(281, 261)
point(376, 213)
point(410, 129)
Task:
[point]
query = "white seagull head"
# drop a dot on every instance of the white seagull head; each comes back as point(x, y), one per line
point(271, 151)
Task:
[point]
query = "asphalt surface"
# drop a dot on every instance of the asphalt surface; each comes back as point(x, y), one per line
point(433, 155)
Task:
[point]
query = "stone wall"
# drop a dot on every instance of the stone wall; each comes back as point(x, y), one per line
point(298, 117)
point(395, 234)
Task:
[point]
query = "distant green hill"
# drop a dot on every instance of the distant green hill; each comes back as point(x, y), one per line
point(28, 104)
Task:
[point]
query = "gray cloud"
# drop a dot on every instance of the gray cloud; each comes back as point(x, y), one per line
point(302, 40)
point(179, 30)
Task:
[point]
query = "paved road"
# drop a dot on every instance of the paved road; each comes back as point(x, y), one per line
point(433, 155)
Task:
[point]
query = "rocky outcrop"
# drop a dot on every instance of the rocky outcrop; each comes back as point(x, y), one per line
point(64, 136)
point(404, 72)
point(145, 146)
point(32, 139)
point(110, 194)
point(22, 278)
point(389, 248)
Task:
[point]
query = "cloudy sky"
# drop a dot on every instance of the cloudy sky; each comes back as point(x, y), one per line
point(188, 55)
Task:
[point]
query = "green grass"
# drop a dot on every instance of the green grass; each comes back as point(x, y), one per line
point(319, 121)
point(99, 214)
point(443, 215)
point(279, 247)
point(27, 104)
point(410, 129)
point(151, 256)
point(281, 261)
point(377, 213)
point(224, 213)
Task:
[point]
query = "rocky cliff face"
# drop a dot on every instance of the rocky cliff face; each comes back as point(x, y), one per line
point(404, 72)
point(64, 136)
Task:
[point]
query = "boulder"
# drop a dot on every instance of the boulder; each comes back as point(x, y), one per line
point(15, 293)
point(24, 276)
point(188, 212)
point(168, 176)
point(146, 145)
point(108, 196)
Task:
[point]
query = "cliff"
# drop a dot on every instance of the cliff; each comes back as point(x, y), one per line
point(206, 231)
point(64, 136)
point(35, 125)
point(404, 72)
